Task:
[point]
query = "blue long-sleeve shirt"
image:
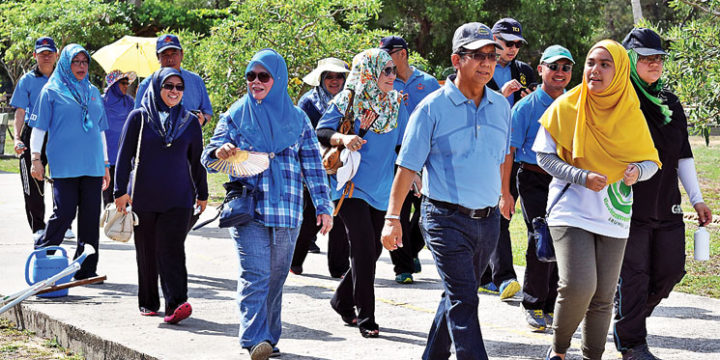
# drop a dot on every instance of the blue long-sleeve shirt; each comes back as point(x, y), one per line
point(167, 177)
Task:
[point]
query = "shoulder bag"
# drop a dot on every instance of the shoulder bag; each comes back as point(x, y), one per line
point(544, 248)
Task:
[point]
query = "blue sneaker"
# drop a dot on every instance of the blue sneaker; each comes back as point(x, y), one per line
point(549, 318)
point(404, 278)
point(489, 288)
point(548, 357)
point(536, 320)
point(508, 289)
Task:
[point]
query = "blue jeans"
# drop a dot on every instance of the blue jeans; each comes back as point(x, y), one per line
point(264, 255)
point(460, 245)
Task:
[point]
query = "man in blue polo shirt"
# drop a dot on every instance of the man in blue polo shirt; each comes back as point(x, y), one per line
point(458, 136)
point(195, 98)
point(23, 100)
point(415, 85)
point(540, 283)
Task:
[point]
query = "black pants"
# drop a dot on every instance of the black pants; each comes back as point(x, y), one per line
point(160, 250)
point(338, 251)
point(500, 267)
point(412, 239)
point(363, 225)
point(107, 195)
point(654, 262)
point(71, 195)
point(541, 278)
point(33, 190)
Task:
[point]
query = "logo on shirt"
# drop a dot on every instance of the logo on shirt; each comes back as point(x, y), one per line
point(676, 209)
point(523, 79)
point(92, 98)
point(420, 87)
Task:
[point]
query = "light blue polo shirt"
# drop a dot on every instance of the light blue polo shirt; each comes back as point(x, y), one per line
point(27, 92)
point(71, 151)
point(418, 86)
point(525, 124)
point(502, 75)
point(458, 146)
point(195, 96)
point(375, 174)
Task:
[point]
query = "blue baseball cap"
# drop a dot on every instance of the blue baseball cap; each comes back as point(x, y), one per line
point(554, 53)
point(45, 43)
point(167, 41)
point(473, 36)
point(644, 41)
point(508, 29)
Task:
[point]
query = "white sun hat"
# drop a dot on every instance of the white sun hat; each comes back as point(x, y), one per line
point(327, 64)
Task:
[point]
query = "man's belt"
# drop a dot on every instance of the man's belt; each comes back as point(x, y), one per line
point(472, 213)
point(533, 168)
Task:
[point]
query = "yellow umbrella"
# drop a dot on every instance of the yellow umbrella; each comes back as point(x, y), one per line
point(130, 53)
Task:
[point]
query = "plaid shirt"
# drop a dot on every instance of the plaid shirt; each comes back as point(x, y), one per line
point(300, 160)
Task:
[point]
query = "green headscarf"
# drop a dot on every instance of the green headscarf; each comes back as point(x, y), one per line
point(647, 90)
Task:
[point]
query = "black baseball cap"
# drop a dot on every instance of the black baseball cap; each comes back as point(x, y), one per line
point(508, 29)
point(45, 43)
point(391, 43)
point(644, 41)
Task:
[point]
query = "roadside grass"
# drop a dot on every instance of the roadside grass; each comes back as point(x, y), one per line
point(24, 344)
point(11, 164)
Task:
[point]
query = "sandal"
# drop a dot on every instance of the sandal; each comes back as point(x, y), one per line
point(370, 331)
point(349, 320)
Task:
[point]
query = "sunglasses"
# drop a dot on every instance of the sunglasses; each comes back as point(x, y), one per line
point(169, 87)
point(555, 67)
point(516, 44)
point(651, 59)
point(389, 70)
point(262, 76)
point(333, 77)
point(479, 56)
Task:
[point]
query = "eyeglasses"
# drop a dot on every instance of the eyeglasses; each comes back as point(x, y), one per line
point(651, 59)
point(262, 76)
point(80, 62)
point(395, 51)
point(517, 44)
point(170, 86)
point(555, 67)
point(389, 70)
point(126, 83)
point(479, 56)
point(334, 77)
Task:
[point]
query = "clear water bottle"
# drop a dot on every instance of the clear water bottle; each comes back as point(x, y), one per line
point(702, 244)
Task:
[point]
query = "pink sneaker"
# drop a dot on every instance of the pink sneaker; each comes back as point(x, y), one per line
point(181, 313)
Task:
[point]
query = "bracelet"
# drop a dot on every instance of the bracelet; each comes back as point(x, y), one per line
point(392, 217)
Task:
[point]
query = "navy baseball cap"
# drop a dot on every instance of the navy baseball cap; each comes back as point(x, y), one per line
point(45, 43)
point(508, 29)
point(390, 43)
point(473, 36)
point(167, 41)
point(644, 41)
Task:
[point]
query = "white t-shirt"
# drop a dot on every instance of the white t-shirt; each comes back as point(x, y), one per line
point(606, 212)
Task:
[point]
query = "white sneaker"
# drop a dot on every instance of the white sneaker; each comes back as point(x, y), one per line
point(38, 234)
point(69, 234)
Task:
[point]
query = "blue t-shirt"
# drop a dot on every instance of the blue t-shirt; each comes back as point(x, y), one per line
point(418, 86)
point(459, 146)
point(525, 124)
point(502, 75)
point(375, 174)
point(27, 92)
point(71, 151)
point(195, 96)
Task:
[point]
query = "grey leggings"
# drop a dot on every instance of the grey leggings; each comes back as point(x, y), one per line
point(588, 268)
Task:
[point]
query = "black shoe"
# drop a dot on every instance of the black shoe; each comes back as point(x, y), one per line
point(639, 352)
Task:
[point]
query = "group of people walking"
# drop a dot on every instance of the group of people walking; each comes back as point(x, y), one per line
point(603, 157)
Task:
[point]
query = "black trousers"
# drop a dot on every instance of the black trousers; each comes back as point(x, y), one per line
point(71, 195)
point(160, 250)
point(654, 262)
point(33, 190)
point(412, 239)
point(500, 267)
point(338, 250)
point(363, 225)
point(541, 278)
point(107, 195)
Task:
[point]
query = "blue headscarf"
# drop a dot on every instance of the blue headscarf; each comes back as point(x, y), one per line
point(273, 124)
point(65, 83)
point(117, 104)
point(178, 118)
point(320, 96)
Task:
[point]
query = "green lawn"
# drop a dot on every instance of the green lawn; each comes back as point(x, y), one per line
point(9, 165)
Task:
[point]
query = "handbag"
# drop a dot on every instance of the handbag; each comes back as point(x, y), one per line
point(238, 208)
point(544, 249)
point(331, 155)
point(116, 225)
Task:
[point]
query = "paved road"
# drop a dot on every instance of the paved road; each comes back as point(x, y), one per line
point(103, 320)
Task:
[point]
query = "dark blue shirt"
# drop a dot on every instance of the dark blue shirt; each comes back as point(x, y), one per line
point(167, 177)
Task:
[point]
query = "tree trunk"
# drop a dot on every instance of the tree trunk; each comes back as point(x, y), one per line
point(637, 10)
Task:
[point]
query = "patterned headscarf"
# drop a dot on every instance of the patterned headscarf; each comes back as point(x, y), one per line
point(363, 79)
point(65, 83)
point(117, 103)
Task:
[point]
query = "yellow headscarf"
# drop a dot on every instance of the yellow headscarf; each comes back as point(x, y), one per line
point(602, 132)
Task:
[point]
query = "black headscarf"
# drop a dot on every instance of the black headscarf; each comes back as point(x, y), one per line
point(178, 117)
